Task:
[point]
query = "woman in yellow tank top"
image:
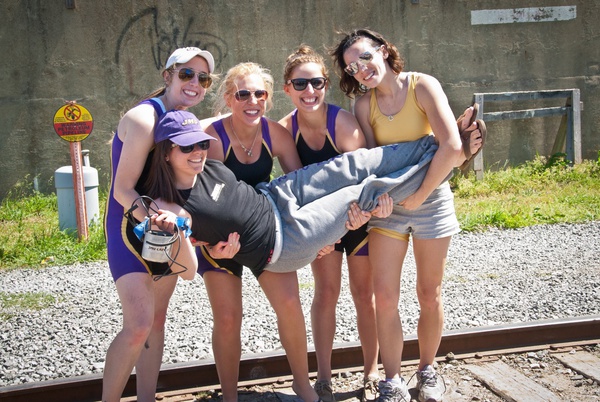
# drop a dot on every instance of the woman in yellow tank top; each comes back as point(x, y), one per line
point(404, 106)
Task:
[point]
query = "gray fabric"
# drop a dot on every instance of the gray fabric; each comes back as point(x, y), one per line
point(434, 219)
point(313, 201)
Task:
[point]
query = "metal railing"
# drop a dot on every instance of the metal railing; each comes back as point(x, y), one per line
point(569, 130)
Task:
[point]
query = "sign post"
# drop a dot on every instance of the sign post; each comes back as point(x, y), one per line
point(74, 123)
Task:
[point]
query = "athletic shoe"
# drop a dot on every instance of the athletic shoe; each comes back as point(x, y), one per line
point(323, 389)
point(430, 384)
point(369, 389)
point(393, 392)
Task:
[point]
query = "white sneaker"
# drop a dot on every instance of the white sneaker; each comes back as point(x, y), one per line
point(430, 384)
point(393, 392)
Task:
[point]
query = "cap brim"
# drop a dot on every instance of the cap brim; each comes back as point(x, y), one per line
point(191, 138)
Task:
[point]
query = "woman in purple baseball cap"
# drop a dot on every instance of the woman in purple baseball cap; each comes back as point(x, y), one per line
point(186, 78)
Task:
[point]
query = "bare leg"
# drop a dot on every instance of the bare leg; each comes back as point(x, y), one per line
point(361, 288)
point(327, 272)
point(430, 258)
point(138, 299)
point(148, 364)
point(225, 295)
point(387, 256)
point(283, 294)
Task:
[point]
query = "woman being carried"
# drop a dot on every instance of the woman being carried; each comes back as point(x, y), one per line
point(282, 228)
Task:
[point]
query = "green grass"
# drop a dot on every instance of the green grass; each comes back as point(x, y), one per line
point(538, 192)
point(26, 301)
point(30, 235)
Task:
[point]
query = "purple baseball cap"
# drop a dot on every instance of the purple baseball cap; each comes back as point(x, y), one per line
point(180, 127)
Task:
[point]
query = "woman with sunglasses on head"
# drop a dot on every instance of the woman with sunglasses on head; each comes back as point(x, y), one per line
point(404, 106)
point(144, 301)
point(246, 142)
point(322, 131)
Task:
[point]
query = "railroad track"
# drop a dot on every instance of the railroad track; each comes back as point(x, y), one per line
point(477, 349)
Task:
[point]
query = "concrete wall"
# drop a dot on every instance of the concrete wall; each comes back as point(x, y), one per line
point(107, 54)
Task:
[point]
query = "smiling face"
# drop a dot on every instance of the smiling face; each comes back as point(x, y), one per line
point(370, 73)
point(308, 99)
point(251, 110)
point(185, 94)
point(186, 165)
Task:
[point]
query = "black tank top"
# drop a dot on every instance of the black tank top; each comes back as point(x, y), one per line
point(329, 150)
point(252, 173)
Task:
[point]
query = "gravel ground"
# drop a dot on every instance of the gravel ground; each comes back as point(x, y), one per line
point(500, 276)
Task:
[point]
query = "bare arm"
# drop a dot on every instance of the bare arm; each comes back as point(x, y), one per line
point(216, 147)
point(348, 134)
point(284, 148)
point(136, 130)
point(361, 111)
point(286, 122)
point(433, 100)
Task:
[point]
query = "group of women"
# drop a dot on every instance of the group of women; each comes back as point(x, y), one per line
point(216, 173)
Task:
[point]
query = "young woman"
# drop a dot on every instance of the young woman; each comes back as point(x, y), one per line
point(406, 106)
point(322, 131)
point(246, 142)
point(144, 301)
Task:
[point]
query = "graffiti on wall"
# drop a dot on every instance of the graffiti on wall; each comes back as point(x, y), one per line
point(164, 38)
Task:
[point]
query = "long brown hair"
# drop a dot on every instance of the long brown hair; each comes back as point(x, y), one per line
point(348, 84)
point(160, 182)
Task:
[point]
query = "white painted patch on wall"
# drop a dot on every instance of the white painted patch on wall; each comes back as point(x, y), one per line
point(531, 14)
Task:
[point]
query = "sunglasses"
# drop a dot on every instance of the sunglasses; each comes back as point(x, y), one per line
point(243, 94)
point(187, 74)
point(363, 58)
point(186, 149)
point(300, 84)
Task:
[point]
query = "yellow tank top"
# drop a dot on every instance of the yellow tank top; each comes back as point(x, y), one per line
point(409, 124)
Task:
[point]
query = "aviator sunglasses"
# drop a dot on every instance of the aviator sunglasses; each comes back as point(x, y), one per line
point(363, 58)
point(186, 149)
point(300, 84)
point(243, 94)
point(187, 74)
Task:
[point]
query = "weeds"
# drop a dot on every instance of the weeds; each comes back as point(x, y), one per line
point(31, 236)
point(539, 192)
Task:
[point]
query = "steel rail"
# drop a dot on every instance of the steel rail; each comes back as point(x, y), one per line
point(202, 373)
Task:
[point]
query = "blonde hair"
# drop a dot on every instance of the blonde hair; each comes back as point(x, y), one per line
point(228, 85)
point(304, 54)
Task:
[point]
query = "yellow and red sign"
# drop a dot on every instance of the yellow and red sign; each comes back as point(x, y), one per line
point(73, 122)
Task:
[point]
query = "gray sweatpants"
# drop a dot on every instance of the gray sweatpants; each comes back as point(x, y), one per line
point(313, 201)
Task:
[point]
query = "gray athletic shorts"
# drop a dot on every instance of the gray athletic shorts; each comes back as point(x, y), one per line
point(434, 219)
